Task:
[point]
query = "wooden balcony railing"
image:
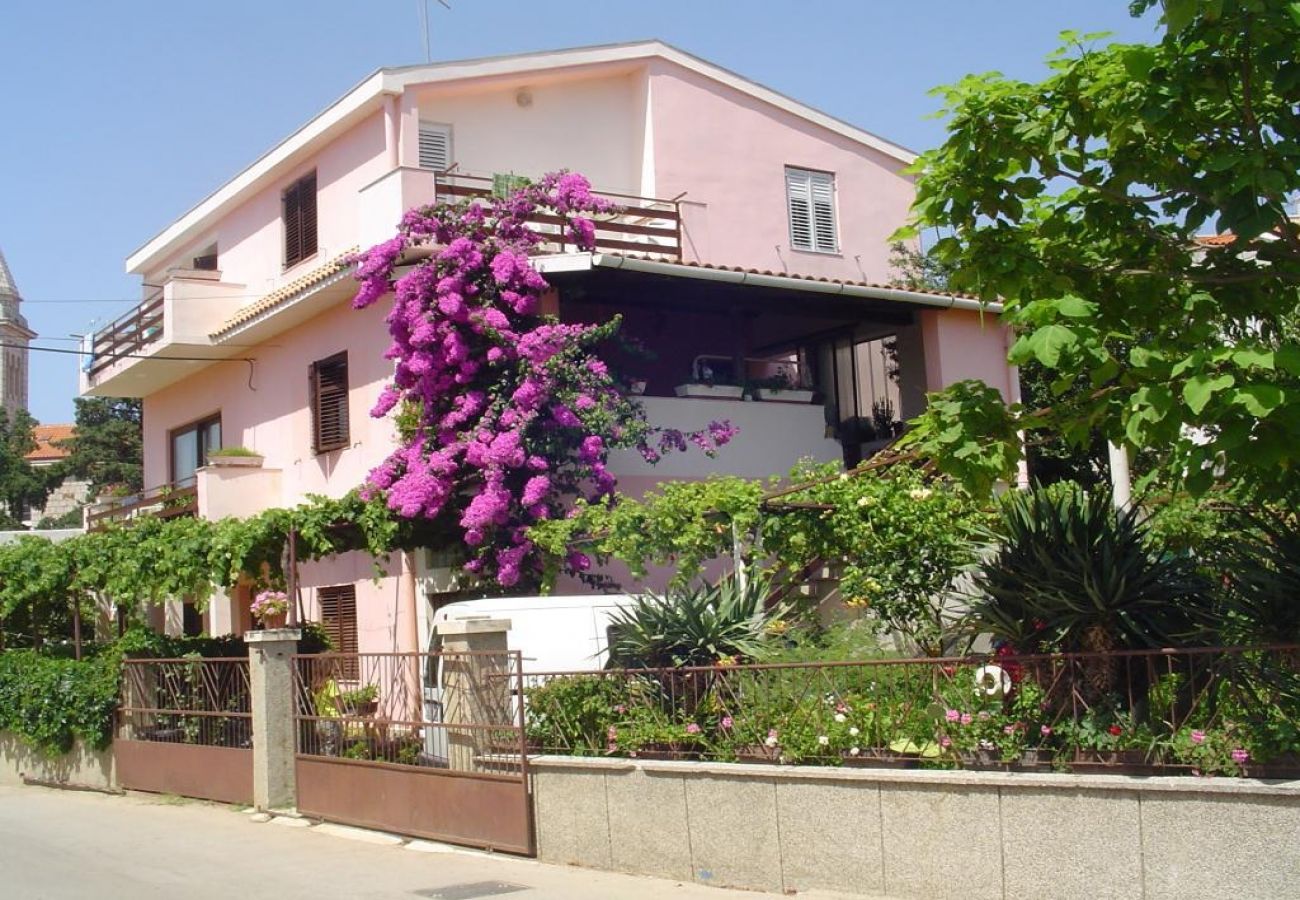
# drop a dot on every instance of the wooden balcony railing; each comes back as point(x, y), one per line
point(167, 501)
point(128, 334)
point(638, 225)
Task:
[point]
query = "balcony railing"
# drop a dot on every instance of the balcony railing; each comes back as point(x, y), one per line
point(128, 334)
point(167, 501)
point(638, 224)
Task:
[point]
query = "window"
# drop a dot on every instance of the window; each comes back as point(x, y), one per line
point(328, 384)
point(299, 201)
point(811, 198)
point(338, 618)
point(206, 261)
point(435, 146)
point(190, 446)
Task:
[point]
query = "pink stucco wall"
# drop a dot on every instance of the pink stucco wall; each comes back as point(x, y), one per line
point(961, 344)
point(728, 152)
point(250, 239)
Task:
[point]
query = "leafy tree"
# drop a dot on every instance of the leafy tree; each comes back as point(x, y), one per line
point(107, 447)
point(1076, 201)
point(22, 485)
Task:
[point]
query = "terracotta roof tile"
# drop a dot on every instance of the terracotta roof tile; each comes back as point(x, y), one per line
point(47, 436)
point(1216, 240)
point(289, 291)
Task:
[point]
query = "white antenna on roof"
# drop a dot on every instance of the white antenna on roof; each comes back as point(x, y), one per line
point(424, 25)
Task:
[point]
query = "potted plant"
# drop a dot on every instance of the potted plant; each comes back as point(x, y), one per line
point(363, 701)
point(235, 457)
point(270, 608)
point(780, 388)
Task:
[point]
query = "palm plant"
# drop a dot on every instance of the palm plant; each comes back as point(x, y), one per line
point(727, 621)
point(1067, 571)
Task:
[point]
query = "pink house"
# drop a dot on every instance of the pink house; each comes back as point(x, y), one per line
point(752, 244)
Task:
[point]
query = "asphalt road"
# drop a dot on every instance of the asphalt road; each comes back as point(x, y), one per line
point(67, 844)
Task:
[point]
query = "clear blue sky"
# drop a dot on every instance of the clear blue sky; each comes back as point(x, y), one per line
point(117, 117)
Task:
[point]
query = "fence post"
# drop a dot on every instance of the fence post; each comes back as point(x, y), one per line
point(270, 675)
point(469, 685)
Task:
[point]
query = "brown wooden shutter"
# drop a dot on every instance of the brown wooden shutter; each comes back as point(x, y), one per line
point(338, 617)
point(328, 386)
point(299, 208)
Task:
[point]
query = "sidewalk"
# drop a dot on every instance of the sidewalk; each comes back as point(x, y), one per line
point(65, 844)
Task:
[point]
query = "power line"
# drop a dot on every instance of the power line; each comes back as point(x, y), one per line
point(111, 356)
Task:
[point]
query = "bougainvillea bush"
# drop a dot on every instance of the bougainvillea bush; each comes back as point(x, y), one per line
point(504, 415)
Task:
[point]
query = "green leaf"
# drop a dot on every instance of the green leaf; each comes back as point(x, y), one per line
point(1200, 389)
point(1075, 307)
point(1259, 399)
point(1048, 342)
point(1261, 359)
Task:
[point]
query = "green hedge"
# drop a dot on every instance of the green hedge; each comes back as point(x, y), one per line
point(51, 701)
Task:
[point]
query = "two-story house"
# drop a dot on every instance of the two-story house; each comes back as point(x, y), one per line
point(751, 242)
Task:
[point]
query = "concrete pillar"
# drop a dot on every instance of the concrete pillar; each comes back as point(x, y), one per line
point(270, 674)
point(475, 689)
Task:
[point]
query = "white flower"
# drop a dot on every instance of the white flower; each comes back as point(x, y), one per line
point(844, 476)
point(920, 493)
point(840, 717)
point(823, 740)
point(866, 501)
point(854, 731)
point(770, 742)
point(854, 751)
point(992, 680)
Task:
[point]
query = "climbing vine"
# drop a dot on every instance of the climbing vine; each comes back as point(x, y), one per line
point(505, 415)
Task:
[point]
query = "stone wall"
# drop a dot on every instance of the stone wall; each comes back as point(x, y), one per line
point(930, 834)
point(82, 767)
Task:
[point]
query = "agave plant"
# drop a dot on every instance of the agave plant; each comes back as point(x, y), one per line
point(1067, 571)
point(1261, 566)
point(727, 621)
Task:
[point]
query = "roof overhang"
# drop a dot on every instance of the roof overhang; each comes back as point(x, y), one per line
point(583, 262)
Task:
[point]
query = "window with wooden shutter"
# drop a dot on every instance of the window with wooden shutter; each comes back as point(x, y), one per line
point(811, 200)
point(299, 205)
point(435, 146)
point(328, 384)
point(338, 619)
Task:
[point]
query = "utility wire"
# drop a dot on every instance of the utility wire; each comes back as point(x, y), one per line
point(129, 355)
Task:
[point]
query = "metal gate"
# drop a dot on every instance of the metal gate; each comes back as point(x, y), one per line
point(185, 727)
point(423, 744)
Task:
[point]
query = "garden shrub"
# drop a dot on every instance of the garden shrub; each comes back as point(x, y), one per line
point(50, 701)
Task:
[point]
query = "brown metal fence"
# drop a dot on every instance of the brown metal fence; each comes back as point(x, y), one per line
point(423, 744)
point(1209, 711)
point(184, 726)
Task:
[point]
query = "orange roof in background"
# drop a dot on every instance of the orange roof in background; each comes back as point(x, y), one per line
point(46, 437)
point(1216, 240)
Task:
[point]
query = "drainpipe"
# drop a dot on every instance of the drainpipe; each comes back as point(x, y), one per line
point(1121, 482)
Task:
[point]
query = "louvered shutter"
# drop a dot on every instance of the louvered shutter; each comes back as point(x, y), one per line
point(328, 385)
point(338, 618)
point(811, 198)
point(299, 206)
point(799, 196)
point(435, 146)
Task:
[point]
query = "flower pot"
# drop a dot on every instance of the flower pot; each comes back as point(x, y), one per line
point(236, 462)
point(881, 758)
point(783, 395)
point(637, 387)
point(983, 760)
point(273, 620)
point(1034, 761)
point(711, 391)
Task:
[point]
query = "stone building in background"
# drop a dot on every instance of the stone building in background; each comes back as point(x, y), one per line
point(14, 337)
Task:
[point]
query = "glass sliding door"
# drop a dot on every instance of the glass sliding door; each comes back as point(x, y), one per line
point(190, 447)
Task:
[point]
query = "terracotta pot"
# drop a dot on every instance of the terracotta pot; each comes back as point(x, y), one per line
point(273, 620)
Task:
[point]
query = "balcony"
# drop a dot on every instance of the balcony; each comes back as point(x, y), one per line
point(163, 339)
point(642, 225)
point(167, 501)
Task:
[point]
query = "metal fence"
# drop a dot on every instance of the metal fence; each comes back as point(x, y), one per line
point(190, 700)
point(454, 711)
point(1204, 710)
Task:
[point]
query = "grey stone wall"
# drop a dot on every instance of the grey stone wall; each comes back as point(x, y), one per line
point(914, 834)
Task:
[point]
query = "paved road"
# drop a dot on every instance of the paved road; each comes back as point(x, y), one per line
point(65, 844)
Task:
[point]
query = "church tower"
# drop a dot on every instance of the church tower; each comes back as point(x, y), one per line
point(14, 335)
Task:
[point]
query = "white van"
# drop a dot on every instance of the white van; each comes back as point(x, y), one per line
point(552, 634)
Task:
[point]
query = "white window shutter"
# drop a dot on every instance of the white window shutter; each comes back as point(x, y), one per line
point(799, 196)
point(435, 146)
point(811, 198)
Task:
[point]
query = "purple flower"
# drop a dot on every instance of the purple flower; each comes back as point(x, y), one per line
point(726, 723)
point(966, 718)
point(1198, 737)
point(952, 715)
point(1240, 756)
point(692, 728)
